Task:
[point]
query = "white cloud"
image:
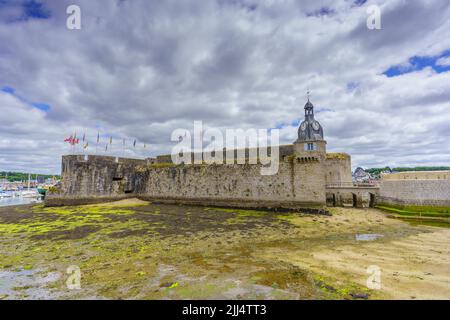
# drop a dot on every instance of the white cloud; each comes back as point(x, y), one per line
point(444, 61)
point(140, 69)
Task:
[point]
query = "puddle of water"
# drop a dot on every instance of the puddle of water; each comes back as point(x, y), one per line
point(368, 237)
point(26, 284)
point(241, 291)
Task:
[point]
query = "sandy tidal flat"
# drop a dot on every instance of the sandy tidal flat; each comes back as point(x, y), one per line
point(138, 250)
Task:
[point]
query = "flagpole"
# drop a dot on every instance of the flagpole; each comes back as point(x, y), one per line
point(96, 146)
point(83, 149)
point(110, 145)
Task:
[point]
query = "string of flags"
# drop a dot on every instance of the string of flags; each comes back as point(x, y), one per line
point(73, 141)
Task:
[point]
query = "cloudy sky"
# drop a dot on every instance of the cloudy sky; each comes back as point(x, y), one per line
point(140, 69)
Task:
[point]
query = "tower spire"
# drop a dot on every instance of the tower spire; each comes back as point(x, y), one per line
point(310, 129)
point(309, 108)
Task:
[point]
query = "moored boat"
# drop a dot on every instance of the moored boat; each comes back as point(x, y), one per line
point(29, 194)
point(42, 190)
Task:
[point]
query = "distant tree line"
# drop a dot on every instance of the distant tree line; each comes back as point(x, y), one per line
point(376, 171)
point(20, 176)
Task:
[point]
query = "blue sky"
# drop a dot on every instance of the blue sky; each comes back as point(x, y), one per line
point(16, 10)
point(41, 106)
point(35, 10)
point(417, 63)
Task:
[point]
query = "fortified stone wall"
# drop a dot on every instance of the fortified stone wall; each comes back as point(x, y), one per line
point(283, 150)
point(295, 184)
point(338, 168)
point(415, 192)
point(94, 179)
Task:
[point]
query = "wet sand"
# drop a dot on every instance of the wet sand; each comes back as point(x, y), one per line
point(137, 250)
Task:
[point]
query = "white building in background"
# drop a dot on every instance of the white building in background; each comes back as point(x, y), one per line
point(360, 175)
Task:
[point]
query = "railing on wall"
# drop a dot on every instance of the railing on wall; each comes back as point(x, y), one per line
point(352, 184)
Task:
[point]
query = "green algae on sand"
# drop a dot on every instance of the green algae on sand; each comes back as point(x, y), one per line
point(141, 250)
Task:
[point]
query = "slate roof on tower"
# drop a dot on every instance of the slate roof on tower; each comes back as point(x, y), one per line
point(310, 129)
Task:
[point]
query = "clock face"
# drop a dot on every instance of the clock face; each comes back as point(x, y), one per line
point(303, 126)
point(315, 125)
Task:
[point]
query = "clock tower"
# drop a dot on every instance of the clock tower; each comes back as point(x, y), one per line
point(310, 142)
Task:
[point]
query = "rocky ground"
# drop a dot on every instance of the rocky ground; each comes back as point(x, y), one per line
point(137, 250)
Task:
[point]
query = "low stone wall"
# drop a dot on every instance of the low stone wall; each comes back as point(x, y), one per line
point(418, 175)
point(415, 192)
point(279, 206)
point(58, 201)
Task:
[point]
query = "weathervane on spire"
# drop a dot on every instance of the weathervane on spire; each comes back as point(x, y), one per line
point(307, 93)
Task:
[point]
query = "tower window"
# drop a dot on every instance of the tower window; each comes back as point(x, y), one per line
point(310, 146)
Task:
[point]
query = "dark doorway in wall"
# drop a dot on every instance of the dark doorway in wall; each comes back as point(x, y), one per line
point(354, 200)
point(372, 200)
point(331, 199)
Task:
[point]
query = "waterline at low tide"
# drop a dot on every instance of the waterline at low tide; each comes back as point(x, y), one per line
point(18, 200)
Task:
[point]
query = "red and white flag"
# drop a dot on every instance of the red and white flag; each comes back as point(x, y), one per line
point(72, 140)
